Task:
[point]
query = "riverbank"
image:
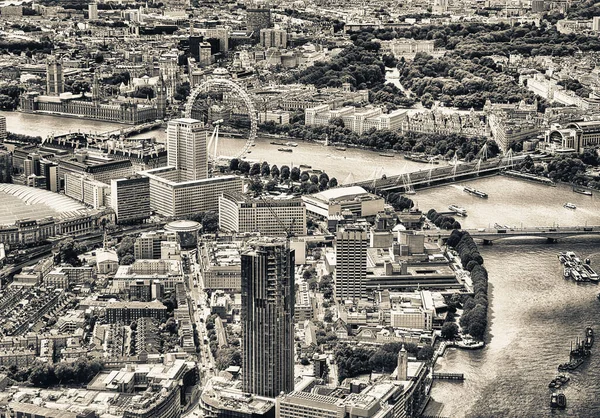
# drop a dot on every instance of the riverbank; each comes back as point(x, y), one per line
point(531, 310)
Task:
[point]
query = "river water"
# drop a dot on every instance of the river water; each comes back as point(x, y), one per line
point(347, 166)
point(534, 313)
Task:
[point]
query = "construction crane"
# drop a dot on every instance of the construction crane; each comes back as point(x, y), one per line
point(288, 230)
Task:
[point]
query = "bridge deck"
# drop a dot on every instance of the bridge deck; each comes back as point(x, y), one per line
point(490, 234)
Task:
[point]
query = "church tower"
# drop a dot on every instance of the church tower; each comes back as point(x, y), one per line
point(402, 370)
point(96, 88)
point(54, 76)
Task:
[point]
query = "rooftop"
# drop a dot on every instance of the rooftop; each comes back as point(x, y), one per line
point(21, 202)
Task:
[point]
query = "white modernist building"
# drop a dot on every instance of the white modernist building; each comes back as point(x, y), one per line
point(239, 213)
point(183, 187)
point(334, 201)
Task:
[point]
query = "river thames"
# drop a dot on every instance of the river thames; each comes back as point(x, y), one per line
point(356, 163)
point(534, 313)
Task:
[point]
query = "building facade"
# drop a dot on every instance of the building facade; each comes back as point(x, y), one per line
point(276, 38)
point(125, 312)
point(130, 198)
point(92, 192)
point(186, 148)
point(54, 77)
point(171, 197)
point(238, 213)
point(258, 19)
point(267, 317)
point(351, 262)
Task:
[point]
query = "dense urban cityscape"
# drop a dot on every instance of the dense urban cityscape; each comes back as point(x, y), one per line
point(267, 209)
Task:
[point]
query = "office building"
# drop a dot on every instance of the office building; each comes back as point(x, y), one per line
point(148, 245)
point(3, 128)
point(267, 317)
point(351, 262)
point(221, 265)
point(358, 120)
point(204, 54)
point(166, 272)
point(183, 187)
point(340, 199)
point(258, 19)
point(221, 35)
point(222, 397)
point(126, 312)
point(276, 38)
point(54, 77)
point(130, 198)
point(186, 148)
point(271, 217)
point(169, 196)
point(92, 192)
point(93, 11)
point(49, 170)
point(95, 165)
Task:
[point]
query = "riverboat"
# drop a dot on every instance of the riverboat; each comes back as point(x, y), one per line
point(569, 205)
point(554, 400)
point(593, 276)
point(387, 155)
point(567, 272)
point(276, 143)
point(589, 338)
point(558, 381)
point(469, 344)
point(417, 158)
point(340, 148)
point(558, 400)
point(458, 210)
point(572, 365)
point(285, 149)
point(582, 191)
point(580, 351)
point(291, 144)
point(305, 166)
point(475, 192)
point(576, 276)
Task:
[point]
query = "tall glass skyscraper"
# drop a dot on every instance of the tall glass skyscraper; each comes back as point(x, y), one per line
point(268, 317)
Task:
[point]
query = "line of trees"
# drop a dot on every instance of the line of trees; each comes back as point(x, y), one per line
point(9, 97)
point(41, 374)
point(399, 201)
point(443, 221)
point(474, 317)
point(17, 46)
point(460, 82)
point(565, 169)
point(274, 176)
point(433, 144)
point(476, 39)
point(359, 64)
point(353, 361)
point(11, 136)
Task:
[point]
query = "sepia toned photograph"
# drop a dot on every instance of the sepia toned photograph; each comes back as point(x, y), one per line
point(299, 209)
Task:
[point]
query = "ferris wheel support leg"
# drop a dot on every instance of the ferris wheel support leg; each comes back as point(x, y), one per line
point(216, 142)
